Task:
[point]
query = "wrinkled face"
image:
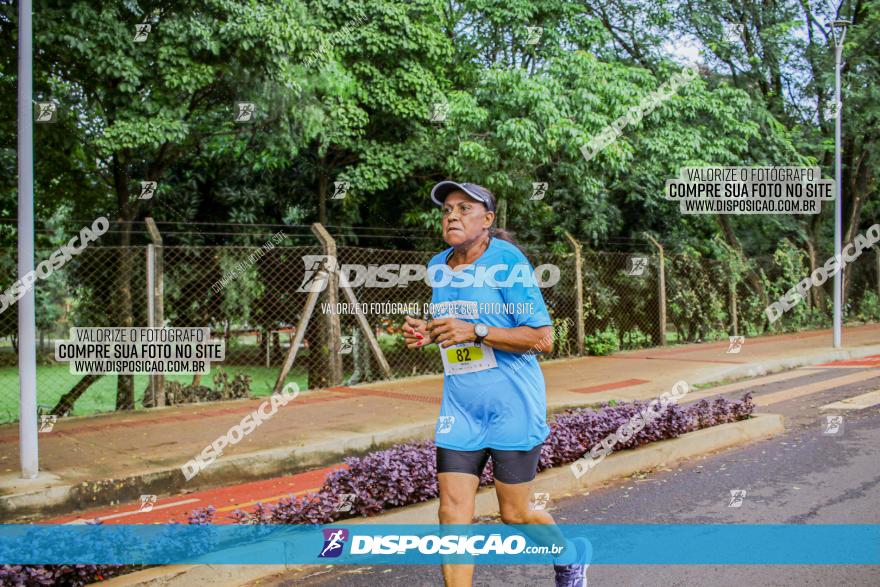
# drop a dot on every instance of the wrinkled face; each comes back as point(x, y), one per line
point(464, 219)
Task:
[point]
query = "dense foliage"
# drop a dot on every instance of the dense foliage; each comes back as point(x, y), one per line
point(349, 91)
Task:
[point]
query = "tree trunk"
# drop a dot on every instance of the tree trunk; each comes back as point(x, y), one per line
point(122, 299)
point(65, 403)
point(319, 351)
point(752, 277)
point(859, 188)
point(323, 186)
point(817, 294)
point(265, 343)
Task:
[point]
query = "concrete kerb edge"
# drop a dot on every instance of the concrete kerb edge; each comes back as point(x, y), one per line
point(260, 464)
point(742, 372)
point(555, 481)
point(759, 369)
point(280, 460)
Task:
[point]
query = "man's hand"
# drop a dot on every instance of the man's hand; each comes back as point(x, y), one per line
point(449, 331)
point(415, 333)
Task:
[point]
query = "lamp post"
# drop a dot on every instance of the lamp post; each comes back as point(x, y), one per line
point(838, 34)
point(27, 353)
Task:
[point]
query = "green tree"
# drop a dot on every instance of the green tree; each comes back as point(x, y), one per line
point(133, 110)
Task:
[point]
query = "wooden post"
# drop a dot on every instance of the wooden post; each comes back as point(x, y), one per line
point(661, 289)
point(155, 301)
point(365, 327)
point(579, 290)
point(300, 334)
point(334, 328)
point(331, 275)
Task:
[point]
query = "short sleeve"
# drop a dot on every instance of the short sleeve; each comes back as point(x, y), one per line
point(523, 294)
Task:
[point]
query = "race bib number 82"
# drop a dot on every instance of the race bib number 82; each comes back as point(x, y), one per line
point(464, 354)
point(467, 358)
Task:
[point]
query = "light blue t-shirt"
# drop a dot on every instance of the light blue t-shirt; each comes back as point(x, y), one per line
point(504, 407)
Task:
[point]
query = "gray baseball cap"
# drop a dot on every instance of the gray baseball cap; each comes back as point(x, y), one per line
point(478, 193)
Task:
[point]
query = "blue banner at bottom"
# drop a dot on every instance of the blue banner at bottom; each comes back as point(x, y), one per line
point(384, 544)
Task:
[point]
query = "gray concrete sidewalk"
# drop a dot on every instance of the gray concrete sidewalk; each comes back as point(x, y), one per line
point(96, 460)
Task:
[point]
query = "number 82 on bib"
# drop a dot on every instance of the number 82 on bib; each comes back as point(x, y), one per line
point(467, 358)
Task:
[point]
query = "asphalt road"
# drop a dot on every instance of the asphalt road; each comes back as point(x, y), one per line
point(801, 477)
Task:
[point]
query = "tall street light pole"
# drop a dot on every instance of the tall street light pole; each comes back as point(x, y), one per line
point(27, 344)
point(838, 34)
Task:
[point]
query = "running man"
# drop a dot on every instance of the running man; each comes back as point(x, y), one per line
point(494, 398)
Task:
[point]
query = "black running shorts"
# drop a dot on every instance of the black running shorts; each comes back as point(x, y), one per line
point(508, 466)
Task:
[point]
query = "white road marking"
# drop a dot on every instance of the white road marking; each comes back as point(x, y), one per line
point(787, 394)
point(859, 402)
point(135, 512)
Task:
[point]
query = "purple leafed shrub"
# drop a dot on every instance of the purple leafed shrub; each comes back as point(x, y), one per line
point(75, 575)
point(406, 473)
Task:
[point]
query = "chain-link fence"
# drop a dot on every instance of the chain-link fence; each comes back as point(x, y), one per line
point(252, 298)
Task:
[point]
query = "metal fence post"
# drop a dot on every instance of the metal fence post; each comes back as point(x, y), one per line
point(579, 290)
point(661, 290)
point(155, 302)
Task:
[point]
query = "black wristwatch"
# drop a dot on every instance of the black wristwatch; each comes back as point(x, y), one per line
point(482, 331)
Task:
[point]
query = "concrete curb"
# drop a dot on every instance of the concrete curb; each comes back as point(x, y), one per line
point(53, 499)
point(759, 369)
point(557, 481)
point(251, 466)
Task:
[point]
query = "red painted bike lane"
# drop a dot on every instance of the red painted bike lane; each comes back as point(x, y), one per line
point(245, 496)
point(176, 508)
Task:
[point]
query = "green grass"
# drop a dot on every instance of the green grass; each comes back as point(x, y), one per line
point(53, 381)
